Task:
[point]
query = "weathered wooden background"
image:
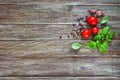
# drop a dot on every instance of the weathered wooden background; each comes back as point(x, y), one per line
point(30, 48)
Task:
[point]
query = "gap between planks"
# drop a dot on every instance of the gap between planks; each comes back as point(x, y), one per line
point(72, 4)
point(83, 76)
point(59, 78)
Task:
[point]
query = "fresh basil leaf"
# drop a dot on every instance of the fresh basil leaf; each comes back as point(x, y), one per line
point(102, 49)
point(105, 44)
point(105, 30)
point(110, 35)
point(97, 37)
point(108, 40)
point(76, 45)
point(107, 36)
point(100, 32)
point(91, 45)
point(104, 20)
point(102, 39)
point(97, 43)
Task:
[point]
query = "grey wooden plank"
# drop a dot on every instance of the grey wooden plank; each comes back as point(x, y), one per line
point(55, 67)
point(97, 78)
point(116, 67)
point(43, 32)
point(59, 78)
point(52, 48)
point(47, 13)
point(115, 49)
point(59, 1)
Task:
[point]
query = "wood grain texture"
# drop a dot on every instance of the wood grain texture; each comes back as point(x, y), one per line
point(30, 48)
point(59, 1)
point(116, 67)
point(115, 52)
point(59, 78)
point(52, 14)
point(42, 32)
point(53, 48)
point(55, 67)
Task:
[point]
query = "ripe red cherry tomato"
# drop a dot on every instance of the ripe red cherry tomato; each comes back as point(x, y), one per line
point(85, 33)
point(95, 30)
point(92, 21)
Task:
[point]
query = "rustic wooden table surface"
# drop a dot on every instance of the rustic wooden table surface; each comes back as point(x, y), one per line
point(30, 48)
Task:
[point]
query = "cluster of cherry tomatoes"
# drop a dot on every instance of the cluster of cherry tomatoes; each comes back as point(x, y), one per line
point(92, 22)
point(91, 27)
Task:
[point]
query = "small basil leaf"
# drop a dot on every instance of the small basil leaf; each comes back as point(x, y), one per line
point(76, 45)
point(91, 45)
point(105, 44)
point(97, 37)
point(110, 35)
point(97, 43)
point(100, 32)
point(102, 49)
point(105, 30)
point(104, 20)
point(108, 40)
point(107, 36)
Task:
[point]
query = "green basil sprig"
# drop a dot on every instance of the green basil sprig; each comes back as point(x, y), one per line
point(101, 40)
